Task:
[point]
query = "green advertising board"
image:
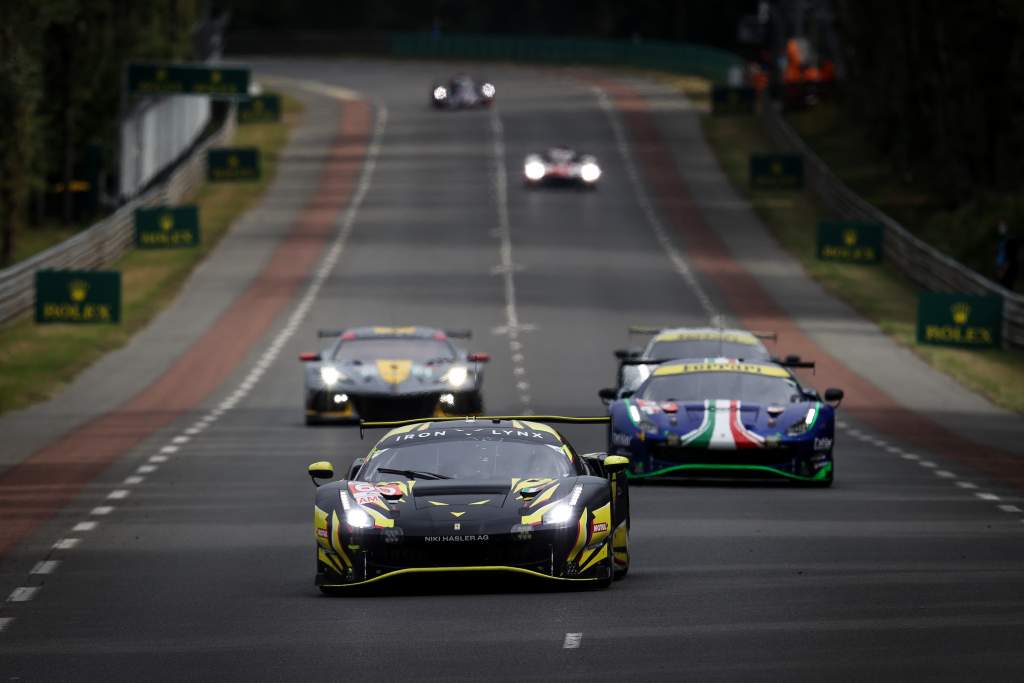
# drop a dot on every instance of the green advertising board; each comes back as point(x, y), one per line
point(187, 79)
point(726, 100)
point(233, 163)
point(959, 320)
point(850, 241)
point(776, 171)
point(167, 227)
point(78, 296)
point(260, 109)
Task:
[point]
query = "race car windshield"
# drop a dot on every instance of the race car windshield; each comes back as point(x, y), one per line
point(472, 460)
point(696, 387)
point(706, 348)
point(416, 350)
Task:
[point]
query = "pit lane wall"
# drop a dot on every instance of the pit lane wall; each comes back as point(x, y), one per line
point(104, 242)
point(925, 265)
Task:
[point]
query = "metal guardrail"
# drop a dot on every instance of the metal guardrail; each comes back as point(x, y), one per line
point(104, 242)
point(925, 265)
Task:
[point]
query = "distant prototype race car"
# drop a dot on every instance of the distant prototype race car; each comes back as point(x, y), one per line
point(724, 417)
point(392, 373)
point(688, 342)
point(561, 165)
point(505, 495)
point(462, 92)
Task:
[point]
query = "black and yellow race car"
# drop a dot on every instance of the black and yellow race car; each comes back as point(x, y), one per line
point(392, 373)
point(473, 495)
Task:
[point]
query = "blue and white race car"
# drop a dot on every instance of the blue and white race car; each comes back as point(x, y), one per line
point(722, 417)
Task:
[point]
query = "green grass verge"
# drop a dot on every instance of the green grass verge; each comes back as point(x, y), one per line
point(37, 360)
point(880, 293)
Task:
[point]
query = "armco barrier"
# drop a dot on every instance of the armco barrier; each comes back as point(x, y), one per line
point(104, 242)
point(925, 265)
point(709, 62)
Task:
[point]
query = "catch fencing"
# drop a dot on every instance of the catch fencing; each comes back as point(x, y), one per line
point(925, 265)
point(104, 242)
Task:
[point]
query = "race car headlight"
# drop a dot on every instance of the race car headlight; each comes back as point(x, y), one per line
point(563, 511)
point(534, 170)
point(803, 425)
point(358, 518)
point(590, 172)
point(487, 90)
point(649, 427)
point(440, 92)
point(330, 375)
point(457, 376)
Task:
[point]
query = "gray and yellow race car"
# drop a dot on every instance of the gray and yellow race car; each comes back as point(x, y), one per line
point(392, 373)
point(505, 495)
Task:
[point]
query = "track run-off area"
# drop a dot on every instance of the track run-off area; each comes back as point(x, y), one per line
point(156, 515)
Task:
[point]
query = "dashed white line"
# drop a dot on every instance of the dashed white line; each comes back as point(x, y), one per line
point(66, 543)
point(133, 480)
point(23, 594)
point(987, 496)
point(169, 449)
point(1009, 508)
point(572, 641)
point(945, 474)
point(158, 458)
point(5, 622)
point(146, 469)
point(118, 494)
point(180, 439)
point(927, 463)
point(101, 510)
point(966, 485)
point(85, 526)
point(910, 456)
point(45, 567)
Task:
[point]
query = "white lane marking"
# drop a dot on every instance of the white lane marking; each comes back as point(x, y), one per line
point(66, 543)
point(45, 567)
point(180, 439)
point(651, 214)
point(987, 496)
point(1009, 508)
point(23, 594)
point(507, 268)
point(133, 480)
point(945, 474)
point(5, 622)
point(894, 449)
point(118, 494)
point(85, 526)
point(910, 456)
point(927, 463)
point(169, 449)
point(841, 424)
point(572, 641)
point(966, 485)
point(101, 510)
point(158, 458)
point(146, 469)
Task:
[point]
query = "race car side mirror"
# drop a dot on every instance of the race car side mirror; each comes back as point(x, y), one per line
point(614, 464)
point(354, 469)
point(479, 357)
point(321, 470)
point(626, 354)
point(608, 394)
point(834, 396)
point(307, 356)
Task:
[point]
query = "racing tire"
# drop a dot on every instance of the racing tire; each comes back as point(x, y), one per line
point(620, 573)
point(601, 584)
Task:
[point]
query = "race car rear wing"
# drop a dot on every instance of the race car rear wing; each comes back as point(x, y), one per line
point(649, 330)
point(454, 334)
point(547, 419)
point(787, 362)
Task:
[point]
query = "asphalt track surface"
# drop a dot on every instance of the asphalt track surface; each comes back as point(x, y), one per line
point(203, 568)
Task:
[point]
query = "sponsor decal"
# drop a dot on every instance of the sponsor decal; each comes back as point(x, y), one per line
point(850, 241)
point(959, 320)
point(822, 443)
point(167, 227)
point(456, 539)
point(322, 533)
point(708, 335)
point(525, 434)
point(67, 296)
point(390, 490)
point(712, 366)
point(620, 439)
point(368, 498)
point(599, 526)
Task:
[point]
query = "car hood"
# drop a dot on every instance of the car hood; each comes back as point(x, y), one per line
point(726, 423)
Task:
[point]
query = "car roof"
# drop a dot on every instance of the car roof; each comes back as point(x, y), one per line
point(733, 335)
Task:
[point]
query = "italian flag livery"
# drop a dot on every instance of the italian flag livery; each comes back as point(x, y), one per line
point(722, 429)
